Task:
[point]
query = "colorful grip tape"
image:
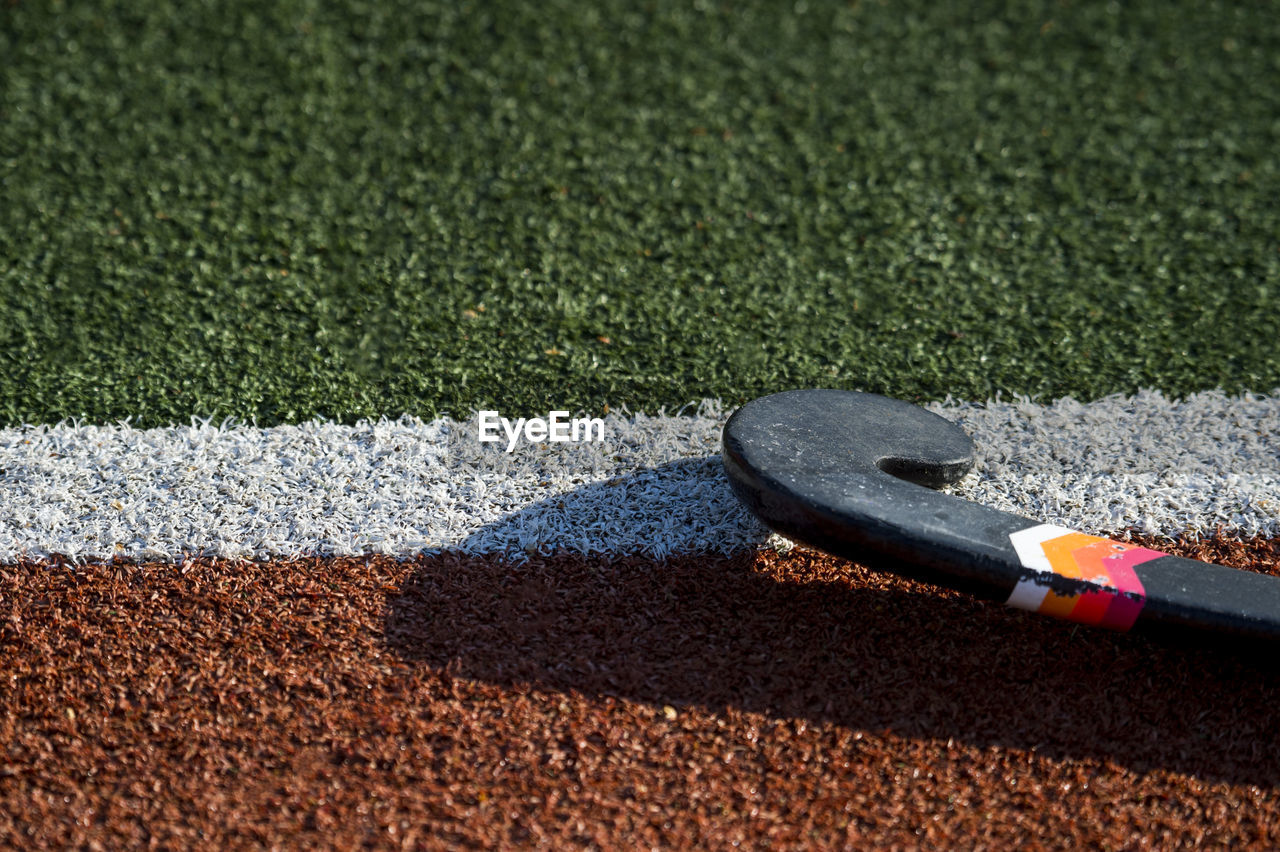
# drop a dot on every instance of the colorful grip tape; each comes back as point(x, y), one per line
point(1110, 594)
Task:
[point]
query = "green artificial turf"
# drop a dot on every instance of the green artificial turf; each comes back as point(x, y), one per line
point(345, 209)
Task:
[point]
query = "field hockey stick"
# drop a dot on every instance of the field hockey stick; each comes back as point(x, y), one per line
point(852, 474)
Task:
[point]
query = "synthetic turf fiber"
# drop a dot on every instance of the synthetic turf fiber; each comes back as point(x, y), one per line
point(357, 209)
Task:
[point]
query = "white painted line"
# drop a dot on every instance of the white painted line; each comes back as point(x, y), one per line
point(1160, 466)
point(653, 486)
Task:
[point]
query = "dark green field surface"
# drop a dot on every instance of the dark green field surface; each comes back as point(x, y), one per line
point(283, 210)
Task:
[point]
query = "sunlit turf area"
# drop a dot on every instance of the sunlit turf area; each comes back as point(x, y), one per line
point(348, 210)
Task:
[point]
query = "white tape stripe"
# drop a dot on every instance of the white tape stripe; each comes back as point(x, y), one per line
point(1029, 544)
point(1028, 595)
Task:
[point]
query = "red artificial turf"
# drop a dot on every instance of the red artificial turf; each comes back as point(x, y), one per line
point(766, 700)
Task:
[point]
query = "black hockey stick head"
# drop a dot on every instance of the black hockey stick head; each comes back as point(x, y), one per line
point(844, 432)
point(852, 473)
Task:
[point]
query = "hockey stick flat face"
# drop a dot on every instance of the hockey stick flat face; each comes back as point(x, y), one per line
point(853, 473)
